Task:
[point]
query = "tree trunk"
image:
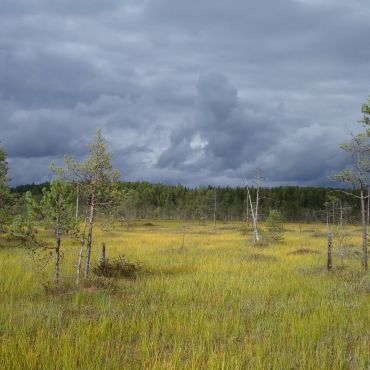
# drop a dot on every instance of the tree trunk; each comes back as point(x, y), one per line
point(77, 202)
point(333, 212)
point(214, 213)
point(368, 205)
point(57, 255)
point(57, 241)
point(255, 231)
point(102, 257)
point(341, 236)
point(247, 215)
point(79, 263)
point(256, 215)
point(89, 239)
point(364, 232)
point(330, 250)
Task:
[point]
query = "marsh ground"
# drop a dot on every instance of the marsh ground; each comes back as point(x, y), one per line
point(203, 301)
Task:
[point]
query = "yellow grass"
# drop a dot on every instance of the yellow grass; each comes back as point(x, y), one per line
point(205, 301)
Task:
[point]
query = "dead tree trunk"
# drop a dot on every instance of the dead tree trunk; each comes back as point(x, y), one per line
point(255, 230)
point(330, 251)
point(57, 255)
point(89, 239)
point(102, 257)
point(368, 205)
point(333, 211)
point(81, 249)
point(77, 201)
point(247, 215)
point(214, 212)
point(341, 235)
point(57, 240)
point(364, 232)
point(256, 214)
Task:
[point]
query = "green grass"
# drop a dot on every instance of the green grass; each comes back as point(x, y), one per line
point(203, 301)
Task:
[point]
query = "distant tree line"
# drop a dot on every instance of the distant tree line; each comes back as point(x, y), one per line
point(147, 200)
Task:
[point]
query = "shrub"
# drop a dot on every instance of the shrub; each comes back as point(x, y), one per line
point(118, 268)
point(275, 227)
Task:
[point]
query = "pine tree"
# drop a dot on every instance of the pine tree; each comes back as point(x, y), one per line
point(97, 179)
point(57, 207)
point(6, 198)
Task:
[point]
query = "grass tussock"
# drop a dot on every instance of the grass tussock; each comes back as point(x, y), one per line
point(67, 287)
point(364, 285)
point(258, 257)
point(319, 234)
point(303, 251)
point(118, 268)
point(11, 241)
point(263, 242)
point(148, 224)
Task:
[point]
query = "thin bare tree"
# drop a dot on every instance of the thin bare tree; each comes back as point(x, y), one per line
point(214, 210)
point(82, 245)
point(259, 178)
point(358, 177)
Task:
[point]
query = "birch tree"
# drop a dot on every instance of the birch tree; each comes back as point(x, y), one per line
point(254, 209)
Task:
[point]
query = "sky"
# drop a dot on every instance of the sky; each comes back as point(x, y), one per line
point(195, 92)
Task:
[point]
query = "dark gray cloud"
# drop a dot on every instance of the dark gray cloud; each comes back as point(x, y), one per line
point(196, 91)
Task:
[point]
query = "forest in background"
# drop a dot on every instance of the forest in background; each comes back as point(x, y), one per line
point(156, 200)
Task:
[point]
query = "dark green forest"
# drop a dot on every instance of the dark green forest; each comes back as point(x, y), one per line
point(303, 204)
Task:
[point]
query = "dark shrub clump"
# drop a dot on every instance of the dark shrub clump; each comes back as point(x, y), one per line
point(118, 268)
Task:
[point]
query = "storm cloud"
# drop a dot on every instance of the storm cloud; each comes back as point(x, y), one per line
point(197, 92)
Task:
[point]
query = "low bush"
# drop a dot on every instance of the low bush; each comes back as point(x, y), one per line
point(118, 268)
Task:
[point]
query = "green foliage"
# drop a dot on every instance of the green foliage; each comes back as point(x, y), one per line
point(6, 199)
point(147, 200)
point(275, 226)
point(118, 268)
point(35, 189)
point(358, 174)
point(96, 174)
point(57, 206)
point(366, 118)
point(3, 168)
point(24, 224)
point(130, 203)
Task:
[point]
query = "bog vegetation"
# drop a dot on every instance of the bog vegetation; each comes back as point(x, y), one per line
point(209, 300)
point(97, 273)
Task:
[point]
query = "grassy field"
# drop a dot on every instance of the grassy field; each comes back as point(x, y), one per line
point(203, 301)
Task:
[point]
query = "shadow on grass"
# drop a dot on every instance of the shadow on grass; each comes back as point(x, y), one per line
point(258, 257)
point(319, 234)
point(346, 274)
point(67, 286)
point(303, 251)
point(148, 224)
point(173, 270)
point(10, 242)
